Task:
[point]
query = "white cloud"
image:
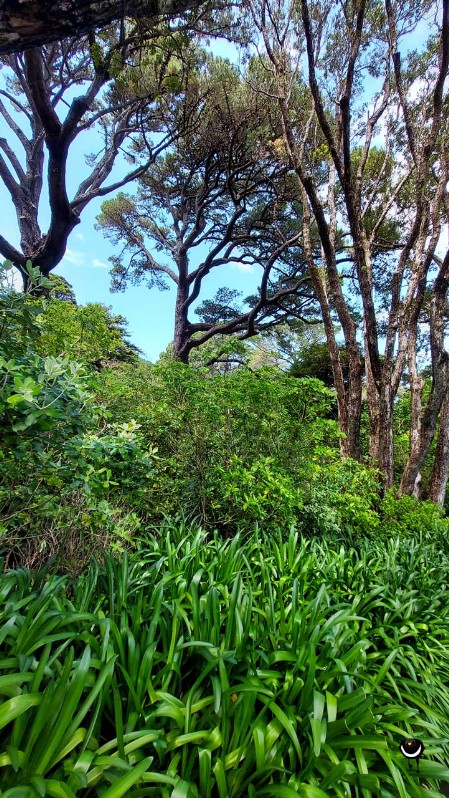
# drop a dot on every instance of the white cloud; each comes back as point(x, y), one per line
point(74, 256)
point(98, 264)
point(242, 267)
point(80, 237)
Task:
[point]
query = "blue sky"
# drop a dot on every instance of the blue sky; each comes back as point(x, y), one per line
point(85, 265)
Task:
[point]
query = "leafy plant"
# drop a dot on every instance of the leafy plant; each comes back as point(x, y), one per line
point(66, 489)
point(209, 667)
point(261, 492)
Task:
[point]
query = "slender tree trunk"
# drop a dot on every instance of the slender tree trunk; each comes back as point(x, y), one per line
point(372, 397)
point(319, 285)
point(440, 383)
point(182, 333)
point(386, 450)
point(416, 388)
point(440, 471)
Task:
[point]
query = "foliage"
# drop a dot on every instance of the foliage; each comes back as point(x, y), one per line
point(67, 486)
point(407, 516)
point(18, 315)
point(75, 495)
point(268, 421)
point(274, 447)
point(203, 667)
point(242, 495)
point(315, 361)
point(285, 344)
point(36, 391)
point(91, 333)
point(326, 497)
point(340, 497)
point(216, 197)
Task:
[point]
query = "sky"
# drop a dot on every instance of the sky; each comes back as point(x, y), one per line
point(150, 313)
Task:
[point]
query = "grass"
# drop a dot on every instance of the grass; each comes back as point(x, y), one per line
point(227, 668)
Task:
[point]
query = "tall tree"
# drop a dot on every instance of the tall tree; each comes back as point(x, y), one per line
point(215, 199)
point(377, 126)
point(30, 24)
point(53, 95)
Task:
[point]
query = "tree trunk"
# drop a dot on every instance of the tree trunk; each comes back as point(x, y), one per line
point(386, 451)
point(32, 23)
point(438, 480)
point(182, 333)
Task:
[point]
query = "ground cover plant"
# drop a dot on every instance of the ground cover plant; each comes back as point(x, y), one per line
point(197, 666)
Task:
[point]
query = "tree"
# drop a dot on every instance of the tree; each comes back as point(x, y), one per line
point(315, 361)
point(215, 198)
point(29, 24)
point(89, 334)
point(282, 345)
point(371, 163)
point(121, 91)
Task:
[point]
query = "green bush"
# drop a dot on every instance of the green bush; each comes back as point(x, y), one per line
point(268, 423)
point(74, 497)
point(66, 490)
point(340, 497)
point(408, 516)
point(262, 493)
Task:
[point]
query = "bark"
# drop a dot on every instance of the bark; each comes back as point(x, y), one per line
point(32, 23)
point(440, 382)
point(349, 401)
point(319, 284)
point(438, 480)
point(181, 332)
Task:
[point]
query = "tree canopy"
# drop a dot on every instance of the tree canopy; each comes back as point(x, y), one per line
point(215, 198)
point(121, 95)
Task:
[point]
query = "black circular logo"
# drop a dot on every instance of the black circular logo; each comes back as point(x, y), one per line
point(412, 748)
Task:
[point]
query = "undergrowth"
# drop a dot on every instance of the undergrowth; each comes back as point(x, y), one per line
point(208, 667)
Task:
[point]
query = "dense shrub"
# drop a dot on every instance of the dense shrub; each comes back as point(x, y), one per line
point(80, 474)
point(233, 448)
point(241, 496)
point(241, 448)
point(406, 515)
point(70, 483)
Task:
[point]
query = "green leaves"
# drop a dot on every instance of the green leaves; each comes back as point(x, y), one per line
point(209, 667)
point(13, 708)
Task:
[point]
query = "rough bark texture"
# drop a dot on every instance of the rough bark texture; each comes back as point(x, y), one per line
point(438, 480)
point(32, 23)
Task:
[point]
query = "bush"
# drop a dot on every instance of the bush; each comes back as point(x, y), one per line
point(66, 490)
point(266, 424)
point(262, 493)
point(409, 516)
point(340, 497)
